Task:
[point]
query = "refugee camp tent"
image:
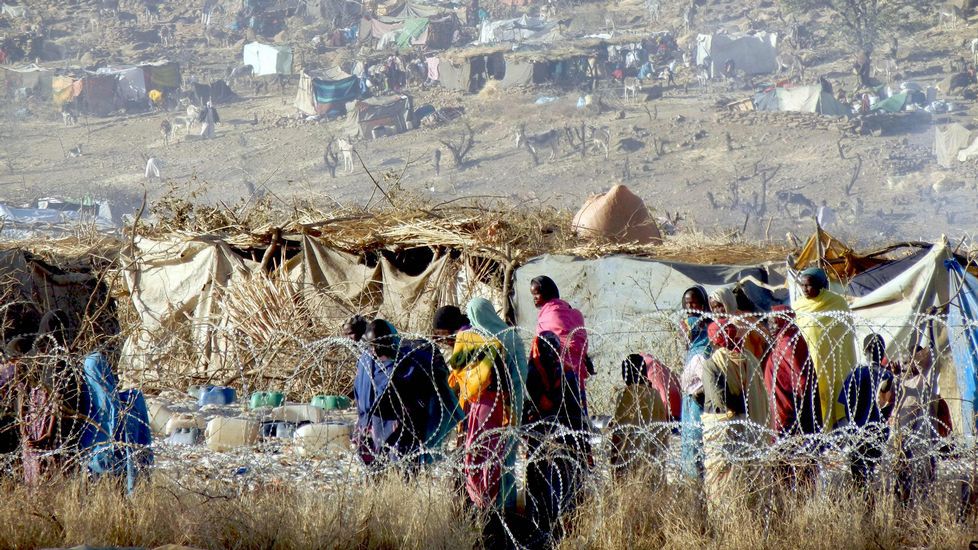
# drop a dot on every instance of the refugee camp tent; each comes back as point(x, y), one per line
point(377, 117)
point(161, 75)
point(629, 297)
point(325, 92)
point(753, 53)
point(31, 77)
point(130, 82)
point(948, 141)
point(435, 31)
point(893, 104)
point(268, 59)
point(518, 73)
point(92, 94)
point(800, 99)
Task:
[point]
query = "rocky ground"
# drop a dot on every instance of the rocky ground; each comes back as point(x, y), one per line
point(685, 153)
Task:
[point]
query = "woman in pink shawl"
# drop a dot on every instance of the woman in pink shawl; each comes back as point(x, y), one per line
point(558, 317)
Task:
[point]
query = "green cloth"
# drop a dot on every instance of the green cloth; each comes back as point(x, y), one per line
point(413, 28)
point(892, 104)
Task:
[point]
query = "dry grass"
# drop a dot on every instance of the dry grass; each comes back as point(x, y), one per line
point(634, 512)
point(385, 513)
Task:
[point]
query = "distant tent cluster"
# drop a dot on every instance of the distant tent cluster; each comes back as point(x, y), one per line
point(411, 25)
point(111, 88)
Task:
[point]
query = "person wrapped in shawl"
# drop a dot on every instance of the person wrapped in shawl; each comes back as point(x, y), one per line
point(635, 437)
point(735, 408)
point(558, 317)
point(558, 451)
point(823, 318)
point(789, 378)
point(404, 404)
point(664, 381)
point(694, 327)
point(723, 302)
point(488, 369)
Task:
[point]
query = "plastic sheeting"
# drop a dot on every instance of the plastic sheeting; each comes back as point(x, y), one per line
point(948, 141)
point(963, 325)
point(800, 99)
point(131, 84)
point(755, 54)
point(517, 74)
point(268, 59)
point(510, 30)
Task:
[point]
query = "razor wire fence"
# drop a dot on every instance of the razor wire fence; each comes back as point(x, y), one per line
point(918, 441)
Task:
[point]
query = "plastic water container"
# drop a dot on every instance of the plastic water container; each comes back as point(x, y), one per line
point(316, 439)
point(186, 436)
point(159, 415)
point(216, 395)
point(298, 414)
point(266, 399)
point(224, 434)
point(331, 402)
point(184, 421)
point(278, 430)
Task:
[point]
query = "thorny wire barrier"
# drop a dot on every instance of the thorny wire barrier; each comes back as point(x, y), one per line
point(908, 452)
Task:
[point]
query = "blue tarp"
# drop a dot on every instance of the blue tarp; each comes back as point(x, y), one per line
point(963, 325)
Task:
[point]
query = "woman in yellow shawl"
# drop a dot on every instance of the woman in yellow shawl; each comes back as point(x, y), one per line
point(735, 409)
point(488, 368)
point(830, 340)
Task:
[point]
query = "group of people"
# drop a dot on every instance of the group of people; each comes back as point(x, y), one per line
point(482, 385)
point(795, 372)
point(748, 380)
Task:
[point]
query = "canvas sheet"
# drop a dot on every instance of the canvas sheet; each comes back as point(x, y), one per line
point(810, 99)
point(517, 74)
point(328, 92)
point(98, 94)
point(162, 76)
point(754, 54)
point(175, 287)
point(510, 30)
point(267, 59)
point(131, 85)
point(948, 141)
point(305, 99)
point(455, 77)
point(627, 301)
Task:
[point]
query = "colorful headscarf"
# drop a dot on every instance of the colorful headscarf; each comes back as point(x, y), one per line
point(818, 274)
point(484, 319)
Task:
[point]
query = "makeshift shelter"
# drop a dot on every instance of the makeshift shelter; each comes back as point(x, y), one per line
point(435, 31)
point(963, 328)
point(130, 82)
point(753, 53)
point(800, 99)
point(382, 116)
point(161, 75)
point(92, 94)
point(948, 141)
point(31, 77)
point(267, 59)
point(618, 215)
point(331, 92)
point(518, 73)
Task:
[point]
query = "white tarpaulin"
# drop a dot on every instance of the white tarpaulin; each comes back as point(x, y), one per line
point(510, 30)
point(268, 59)
point(753, 53)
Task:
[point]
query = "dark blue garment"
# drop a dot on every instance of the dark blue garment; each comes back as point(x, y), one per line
point(859, 394)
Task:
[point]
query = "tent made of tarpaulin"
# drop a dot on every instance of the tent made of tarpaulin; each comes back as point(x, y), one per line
point(893, 104)
point(162, 75)
point(175, 287)
point(455, 75)
point(963, 328)
point(321, 95)
point(510, 30)
point(629, 302)
point(131, 82)
point(801, 99)
point(518, 73)
point(34, 78)
point(753, 53)
point(93, 94)
point(383, 116)
point(415, 9)
point(948, 141)
point(268, 59)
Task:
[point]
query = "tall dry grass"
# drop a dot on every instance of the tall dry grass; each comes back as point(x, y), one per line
point(638, 511)
point(382, 513)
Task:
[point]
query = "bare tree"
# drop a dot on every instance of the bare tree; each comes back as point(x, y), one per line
point(461, 146)
point(860, 23)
